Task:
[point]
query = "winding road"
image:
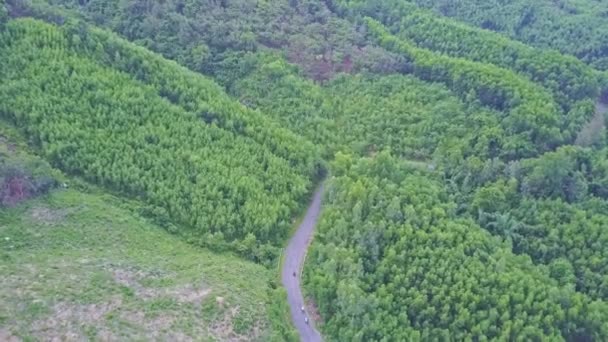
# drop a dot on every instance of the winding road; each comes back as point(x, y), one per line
point(293, 262)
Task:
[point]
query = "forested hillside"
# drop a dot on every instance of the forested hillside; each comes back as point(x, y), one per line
point(392, 260)
point(573, 27)
point(210, 36)
point(467, 190)
point(569, 79)
point(140, 125)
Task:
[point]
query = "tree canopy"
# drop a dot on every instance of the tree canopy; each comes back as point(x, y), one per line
point(124, 118)
point(573, 27)
point(392, 260)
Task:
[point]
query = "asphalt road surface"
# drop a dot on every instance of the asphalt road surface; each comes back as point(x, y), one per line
point(293, 262)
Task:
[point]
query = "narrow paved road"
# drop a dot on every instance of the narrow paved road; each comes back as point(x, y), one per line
point(294, 260)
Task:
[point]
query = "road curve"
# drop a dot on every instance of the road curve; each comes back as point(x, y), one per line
point(293, 262)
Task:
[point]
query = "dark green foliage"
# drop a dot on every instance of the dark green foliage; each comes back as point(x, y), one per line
point(560, 174)
point(420, 121)
point(532, 116)
point(577, 27)
point(543, 207)
point(323, 44)
point(369, 113)
point(273, 86)
point(552, 231)
point(203, 34)
point(391, 260)
point(3, 13)
point(127, 119)
point(569, 79)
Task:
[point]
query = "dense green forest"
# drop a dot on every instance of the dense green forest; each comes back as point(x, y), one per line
point(212, 36)
point(573, 27)
point(140, 134)
point(467, 194)
point(369, 113)
point(568, 78)
point(393, 260)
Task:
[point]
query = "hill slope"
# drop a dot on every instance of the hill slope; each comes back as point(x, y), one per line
point(79, 265)
point(502, 239)
point(140, 125)
point(393, 260)
point(575, 27)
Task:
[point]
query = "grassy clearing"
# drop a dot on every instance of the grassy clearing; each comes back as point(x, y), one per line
point(78, 265)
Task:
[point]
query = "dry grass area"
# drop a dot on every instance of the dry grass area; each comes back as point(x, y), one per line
point(187, 293)
point(46, 216)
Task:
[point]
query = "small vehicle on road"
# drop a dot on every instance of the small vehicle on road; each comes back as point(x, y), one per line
point(306, 320)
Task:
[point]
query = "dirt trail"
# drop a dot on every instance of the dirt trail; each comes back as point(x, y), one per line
point(293, 262)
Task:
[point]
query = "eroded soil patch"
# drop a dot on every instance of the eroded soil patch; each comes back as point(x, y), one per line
point(65, 320)
point(6, 336)
point(47, 216)
point(224, 328)
point(131, 278)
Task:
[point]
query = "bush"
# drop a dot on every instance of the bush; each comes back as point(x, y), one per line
point(21, 179)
